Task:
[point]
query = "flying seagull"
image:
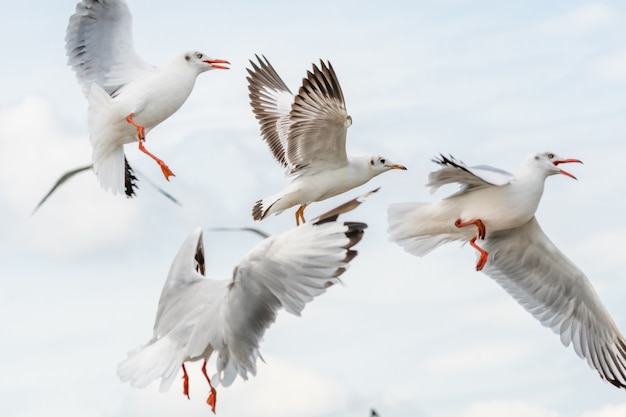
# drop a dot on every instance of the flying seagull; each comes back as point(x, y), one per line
point(495, 212)
point(306, 134)
point(127, 96)
point(197, 316)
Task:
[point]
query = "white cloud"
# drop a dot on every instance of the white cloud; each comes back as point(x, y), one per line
point(608, 411)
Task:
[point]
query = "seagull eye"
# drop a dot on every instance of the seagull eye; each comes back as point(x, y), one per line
point(199, 56)
point(550, 155)
point(382, 160)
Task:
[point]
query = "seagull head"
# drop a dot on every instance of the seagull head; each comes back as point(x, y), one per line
point(550, 162)
point(203, 63)
point(380, 164)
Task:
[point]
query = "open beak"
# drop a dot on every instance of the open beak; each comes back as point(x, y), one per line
point(215, 63)
point(567, 161)
point(397, 166)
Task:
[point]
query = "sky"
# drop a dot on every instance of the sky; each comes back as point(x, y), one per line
point(486, 81)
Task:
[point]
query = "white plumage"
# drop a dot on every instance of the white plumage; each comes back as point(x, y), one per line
point(127, 96)
point(307, 135)
point(197, 316)
point(515, 252)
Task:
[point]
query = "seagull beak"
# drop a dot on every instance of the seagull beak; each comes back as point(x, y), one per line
point(567, 161)
point(215, 63)
point(397, 166)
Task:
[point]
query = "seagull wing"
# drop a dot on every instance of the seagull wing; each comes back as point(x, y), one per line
point(99, 45)
point(319, 123)
point(286, 271)
point(455, 171)
point(549, 286)
point(197, 316)
point(271, 103)
point(60, 181)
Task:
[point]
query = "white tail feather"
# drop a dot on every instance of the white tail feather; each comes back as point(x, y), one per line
point(404, 221)
point(159, 359)
point(108, 151)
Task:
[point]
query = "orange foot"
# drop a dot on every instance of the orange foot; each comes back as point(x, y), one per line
point(483, 254)
point(300, 215)
point(212, 398)
point(185, 382)
point(167, 172)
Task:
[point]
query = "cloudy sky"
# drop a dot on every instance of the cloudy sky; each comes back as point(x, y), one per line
point(486, 81)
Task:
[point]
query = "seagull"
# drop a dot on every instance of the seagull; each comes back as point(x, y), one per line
point(499, 209)
point(197, 316)
point(127, 96)
point(130, 183)
point(306, 134)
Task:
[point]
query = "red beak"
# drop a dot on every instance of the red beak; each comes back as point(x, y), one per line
point(215, 63)
point(567, 161)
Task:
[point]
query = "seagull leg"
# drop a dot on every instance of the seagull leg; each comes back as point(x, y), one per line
point(483, 254)
point(482, 231)
point(141, 131)
point(300, 215)
point(185, 382)
point(141, 135)
point(478, 223)
point(212, 399)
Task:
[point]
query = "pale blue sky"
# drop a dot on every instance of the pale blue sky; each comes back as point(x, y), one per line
point(486, 81)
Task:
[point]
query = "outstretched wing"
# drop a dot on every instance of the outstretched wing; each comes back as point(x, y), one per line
point(455, 171)
point(99, 45)
point(285, 271)
point(319, 123)
point(549, 286)
point(271, 103)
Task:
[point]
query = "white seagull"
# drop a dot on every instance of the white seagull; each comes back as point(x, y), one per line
point(307, 134)
point(127, 96)
point(198, 316)
point(515, 252)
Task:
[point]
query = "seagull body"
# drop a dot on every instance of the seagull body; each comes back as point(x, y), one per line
point(515, 252)
point(307, 135)
point(127, 96)
point(497, 199)
point(197, 316)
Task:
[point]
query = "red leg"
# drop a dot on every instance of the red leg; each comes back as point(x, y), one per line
point(480, 235)
point(212, 399)
point(185, 382)
point(478, 223)
point(483, 254)
point(141, 135)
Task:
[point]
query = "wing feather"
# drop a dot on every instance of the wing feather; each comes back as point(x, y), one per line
point(455, 171)
point(271, 103)
point(319, 122)
point(548, 285)
point(286, 271)
point(99, 45)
